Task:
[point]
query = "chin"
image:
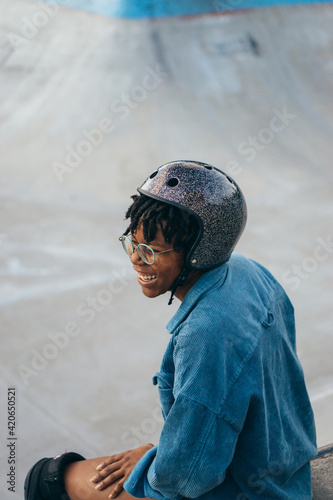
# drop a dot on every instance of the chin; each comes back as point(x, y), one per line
point(151, 294)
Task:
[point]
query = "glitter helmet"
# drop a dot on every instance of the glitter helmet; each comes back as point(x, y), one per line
point(212, 198)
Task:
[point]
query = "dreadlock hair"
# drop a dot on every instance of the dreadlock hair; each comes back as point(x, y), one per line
point(154, 214)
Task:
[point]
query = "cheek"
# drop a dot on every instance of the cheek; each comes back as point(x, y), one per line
point(179, 262)
point(174, 268)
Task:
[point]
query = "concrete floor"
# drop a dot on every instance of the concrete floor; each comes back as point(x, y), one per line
point(89, 107)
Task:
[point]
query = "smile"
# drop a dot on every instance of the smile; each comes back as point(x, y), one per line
point(147, 277)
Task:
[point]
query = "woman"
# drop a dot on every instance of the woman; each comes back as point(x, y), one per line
point(238, 421)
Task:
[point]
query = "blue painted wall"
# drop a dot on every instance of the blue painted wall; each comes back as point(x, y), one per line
point(137, 9)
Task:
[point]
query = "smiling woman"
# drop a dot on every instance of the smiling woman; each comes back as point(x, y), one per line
point(232, 428)
point(158, 228)
point(161, 274)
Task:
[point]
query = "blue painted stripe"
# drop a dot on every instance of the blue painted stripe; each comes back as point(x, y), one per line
point(135, 9)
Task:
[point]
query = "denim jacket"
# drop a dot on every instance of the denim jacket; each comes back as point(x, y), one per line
point(238, 420)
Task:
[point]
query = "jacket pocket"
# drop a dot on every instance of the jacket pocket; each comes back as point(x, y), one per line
point(164, 382)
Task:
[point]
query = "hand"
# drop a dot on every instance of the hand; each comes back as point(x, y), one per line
point(117, 468)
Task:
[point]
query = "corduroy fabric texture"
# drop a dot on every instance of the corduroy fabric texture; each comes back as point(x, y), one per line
point(238, 420)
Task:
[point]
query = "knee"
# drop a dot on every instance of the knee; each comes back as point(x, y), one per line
point(45, 480)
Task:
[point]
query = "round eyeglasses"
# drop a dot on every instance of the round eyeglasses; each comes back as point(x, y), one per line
point(146, 253)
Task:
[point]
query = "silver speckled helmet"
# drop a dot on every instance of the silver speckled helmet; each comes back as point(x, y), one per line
point(212, 197)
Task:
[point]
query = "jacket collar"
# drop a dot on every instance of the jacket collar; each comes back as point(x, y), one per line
point(204, 283)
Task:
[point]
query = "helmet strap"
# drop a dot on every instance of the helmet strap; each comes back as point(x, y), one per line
point(180, 281)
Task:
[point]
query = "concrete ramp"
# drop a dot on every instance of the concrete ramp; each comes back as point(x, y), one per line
point(89, 106)
point(244, 89)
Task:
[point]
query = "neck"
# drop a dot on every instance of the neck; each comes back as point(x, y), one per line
point(193, 277)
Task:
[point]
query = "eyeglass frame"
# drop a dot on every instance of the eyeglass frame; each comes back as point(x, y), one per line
point(124, 237)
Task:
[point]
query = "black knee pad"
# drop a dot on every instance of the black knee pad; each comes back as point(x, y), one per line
point(45, 480)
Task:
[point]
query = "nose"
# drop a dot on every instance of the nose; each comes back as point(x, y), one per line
point(136, 259)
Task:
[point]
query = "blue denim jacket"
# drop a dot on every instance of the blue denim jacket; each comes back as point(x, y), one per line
point(238, 421)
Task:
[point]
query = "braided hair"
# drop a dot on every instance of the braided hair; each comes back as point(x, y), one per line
point(154, 214)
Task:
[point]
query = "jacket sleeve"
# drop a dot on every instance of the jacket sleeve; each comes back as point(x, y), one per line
point(198, 440)
point(195, 448)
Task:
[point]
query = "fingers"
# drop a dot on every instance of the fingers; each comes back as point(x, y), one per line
point(118, 489)
point(108, 461)
point(105, 471)
point(107, 481)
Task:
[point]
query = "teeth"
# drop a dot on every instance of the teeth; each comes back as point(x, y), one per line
point(147, 277)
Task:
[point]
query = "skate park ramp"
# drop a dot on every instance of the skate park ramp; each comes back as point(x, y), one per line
point(90, 105)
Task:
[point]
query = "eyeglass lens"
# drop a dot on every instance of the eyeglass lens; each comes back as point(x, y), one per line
point(145, 252)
